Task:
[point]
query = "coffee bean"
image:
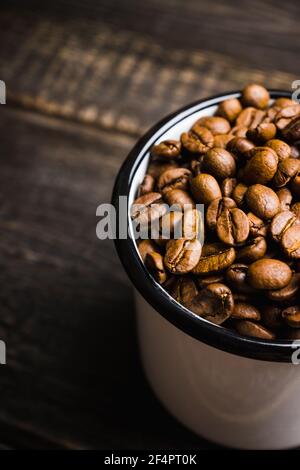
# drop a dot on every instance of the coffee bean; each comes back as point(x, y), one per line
point(239, 131)
point(215, 209)
point(147, 185)
point(198, 140)
point(230, 109)
point(192, 224)
point(183, 290)
point(239, 147)
point(168, 149)
point(215, 258)
point(145, 247)
point(155, 264)
point(285, 198)
point(211, 279)
point(296, 209)
point(283, 102)
point(221, 140)
point(239, 193)
point(236, 278)
point(182, 255)
point(157, 167)
point(174, 179)
point(147, 208)
point(257, 226)
point(255, 95)
point(214, 303)
point(262, 201)
point(205, 188)
point(219, 163)
point(269, 274)
point(169, 225)
point(281, 148)
point(179, 198)
point(288, 292)
point(262, 133)
point(290, 241)
point(286, 115)
point(253, 250)
point(280, 223)
point(227, 186)
point(287, 169)
point(248, 328)
point(292, 131)
point(271, 316)
point(232, 226)
point(261, 167)
point(217, 125)
point(249, 118)
point(244, 311)
point(291, 316)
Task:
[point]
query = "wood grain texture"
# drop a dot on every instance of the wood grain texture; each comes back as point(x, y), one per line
point(96, 74)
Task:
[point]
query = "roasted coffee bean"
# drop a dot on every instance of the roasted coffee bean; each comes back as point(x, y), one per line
point(227, 186)
point(155, 264)
point(145, 247)
point(288, 292)
point(281, 148)
point(157, 167)
point(255, 95)
point(271, 316)
point(192, 224)
point(258, 227)
point(148, 208)
point(283, 102)
point(211, 279)
point(232, 226)
point(296, 209)
point(168, 149)
point(215, 209)
point(219, 163)
point(253, 250)
point(249, 118)
point(249, 328)
point(292, 131)
point(287, 169)
point(285, 198)
point(217, 125)
point(221, 140)
point(262, 133)
point(286, 115)
point(244, 311)
point(261, 167)
point(240, 147)
point(239, 131)
point(269, 274)
point(295, 185)
point(262, 201)
point(198, 140)
point(239, 193)
point(174, 179)
point(182, 255)
point(170, 226)
point(147, 185)
point(179, 198)
point(183, 290)
point(290, 241)
point(230, 109)
point(214, 303)
point(215, 257)
point(205, 188)
point(281, 223)
point(291, 316)
point(236, 278)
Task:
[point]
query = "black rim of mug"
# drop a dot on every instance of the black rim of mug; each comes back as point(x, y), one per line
point(152, 292)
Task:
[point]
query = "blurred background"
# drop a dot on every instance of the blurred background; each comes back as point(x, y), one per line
point(84, 80)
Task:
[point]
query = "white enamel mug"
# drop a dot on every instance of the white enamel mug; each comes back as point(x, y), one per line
point(237, 391)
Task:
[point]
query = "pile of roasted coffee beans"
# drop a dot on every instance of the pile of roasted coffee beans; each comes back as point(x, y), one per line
point(243, 164)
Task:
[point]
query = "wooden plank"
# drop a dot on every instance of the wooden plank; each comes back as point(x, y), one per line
point(73, 376)
point(118, 73)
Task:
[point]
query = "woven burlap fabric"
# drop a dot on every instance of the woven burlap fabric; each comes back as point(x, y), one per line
point(88, 71)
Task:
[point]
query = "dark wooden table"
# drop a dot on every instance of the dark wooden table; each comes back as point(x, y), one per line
point(84, 80)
